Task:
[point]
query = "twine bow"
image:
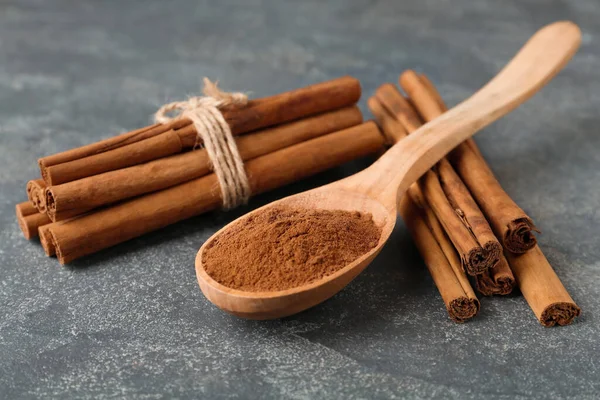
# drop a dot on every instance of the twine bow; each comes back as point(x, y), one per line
point(214, 134)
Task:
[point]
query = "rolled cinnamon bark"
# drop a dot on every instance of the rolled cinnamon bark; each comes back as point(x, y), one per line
point(76, 197)
point(432, 91)
point(35, 193)
point(102, 145)
point(498, 280)
point(46, 240)
point(542, 288)
point(46, 236)
point(30, 219)
point(447, 248)
point(109, 226)
point(471, 252)
point(458, 296)
point(509, 222)
point(445, 193)
point(163, 145)
point(460, 305)
point(391, 128)
point(471, 216)
point(261, 113)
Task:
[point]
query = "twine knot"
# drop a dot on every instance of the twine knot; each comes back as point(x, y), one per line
point(214, 134)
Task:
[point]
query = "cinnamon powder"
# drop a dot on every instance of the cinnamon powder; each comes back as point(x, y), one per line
point(282, 247)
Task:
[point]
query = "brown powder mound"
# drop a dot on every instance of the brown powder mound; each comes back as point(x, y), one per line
point(282, 248)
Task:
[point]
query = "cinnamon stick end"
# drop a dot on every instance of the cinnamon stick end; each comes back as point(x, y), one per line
point(35, 194)
point(50, 201)
point(505, 286)
point(46, 240)
point(559, 313)
point(54, 248)
point(43, 169)
point(481, 259)
point(48, 246)
point(519, 237)
point(463, 309)
point(408, 78)
point(488, 286)
point(386, 86)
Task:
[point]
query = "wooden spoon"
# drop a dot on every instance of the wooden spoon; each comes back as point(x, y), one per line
point(377, 189)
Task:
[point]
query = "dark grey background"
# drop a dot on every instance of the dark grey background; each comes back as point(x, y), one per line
point(131, 321)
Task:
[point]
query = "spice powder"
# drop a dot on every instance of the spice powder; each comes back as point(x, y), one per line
point(282, 247)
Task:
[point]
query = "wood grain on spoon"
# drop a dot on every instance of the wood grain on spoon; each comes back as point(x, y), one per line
point(376, 190)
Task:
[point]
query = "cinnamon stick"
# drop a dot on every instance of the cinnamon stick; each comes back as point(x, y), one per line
point(30, 219)
point(447, 248)
point(109, 226)
point(46, 239)
point(509, 222)
point(447, 273)
point(35, 193)
point(498, 280)
point(103, 145)
point(46, 236)
point(74, 198)
point(432, 91)
point(391, 128)
point(460, 306)
point(542, 288)
point(163, 145)
point(261, 113)
point(448, 197)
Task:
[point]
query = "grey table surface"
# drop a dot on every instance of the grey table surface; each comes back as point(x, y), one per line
point(130, 322)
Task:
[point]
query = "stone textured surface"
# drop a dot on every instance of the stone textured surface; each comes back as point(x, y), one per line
point(131, 323)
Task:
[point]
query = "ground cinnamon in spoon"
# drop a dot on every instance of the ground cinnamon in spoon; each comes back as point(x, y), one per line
point(282, 247)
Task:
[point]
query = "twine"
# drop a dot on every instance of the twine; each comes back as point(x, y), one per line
point(214, 134)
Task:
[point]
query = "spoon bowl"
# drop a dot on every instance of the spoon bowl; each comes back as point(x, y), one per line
point(377, 189)
point(276, 304)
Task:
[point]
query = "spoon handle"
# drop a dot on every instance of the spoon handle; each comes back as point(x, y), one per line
point(542, 57)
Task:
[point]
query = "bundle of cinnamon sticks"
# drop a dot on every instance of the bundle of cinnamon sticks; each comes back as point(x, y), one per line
point(463, 223)
point(96, 196)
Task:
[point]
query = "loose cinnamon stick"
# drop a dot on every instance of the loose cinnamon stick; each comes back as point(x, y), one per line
point(461, 307)
point(498, 280)
point(432, 91)
point(448, 274)
point(74, 198)
point(509, 222)
point(35, 194)
point(542, 288)
point(391, 128)
point(446, 245)
point(467, 210)
point(109, 226)
point(29, 219)
point(261, 113)
point(451, 201)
